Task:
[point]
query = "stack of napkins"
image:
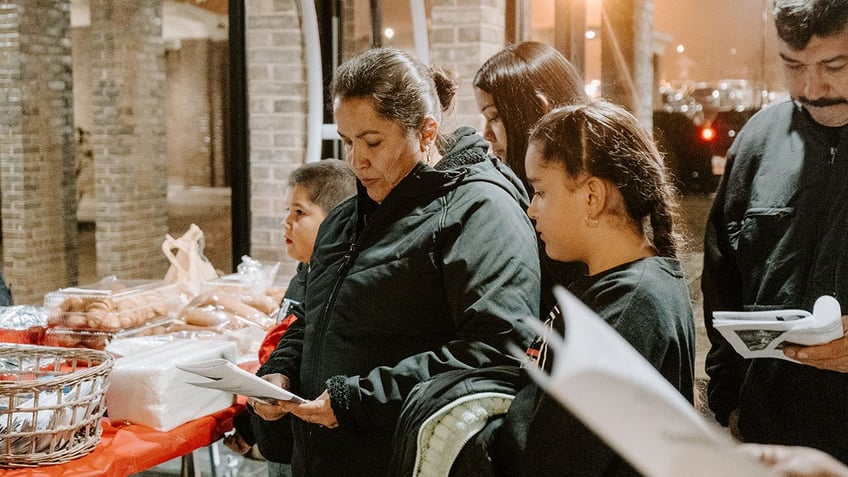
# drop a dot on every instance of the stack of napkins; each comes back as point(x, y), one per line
point(147, 388)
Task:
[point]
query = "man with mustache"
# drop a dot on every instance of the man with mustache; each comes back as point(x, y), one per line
point(776, 239)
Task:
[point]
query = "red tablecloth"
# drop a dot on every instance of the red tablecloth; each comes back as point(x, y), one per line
point(126, 449)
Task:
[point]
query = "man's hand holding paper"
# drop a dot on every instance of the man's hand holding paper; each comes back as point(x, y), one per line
point(832, 356)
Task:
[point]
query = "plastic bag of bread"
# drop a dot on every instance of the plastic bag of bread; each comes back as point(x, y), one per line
point(231, 309)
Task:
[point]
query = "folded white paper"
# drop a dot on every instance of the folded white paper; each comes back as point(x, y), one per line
point(224, 375)
point(606, 383)
point(763, 334)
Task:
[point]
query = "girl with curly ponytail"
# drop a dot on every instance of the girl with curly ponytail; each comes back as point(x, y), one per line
point(601, 198)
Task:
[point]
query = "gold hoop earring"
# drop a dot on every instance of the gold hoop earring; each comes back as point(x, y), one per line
point(429, 160)
point(591, 222)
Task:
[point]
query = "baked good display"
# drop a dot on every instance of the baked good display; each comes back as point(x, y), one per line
point(91, 314)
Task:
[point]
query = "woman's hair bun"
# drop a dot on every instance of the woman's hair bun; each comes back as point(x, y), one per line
point(447, 83)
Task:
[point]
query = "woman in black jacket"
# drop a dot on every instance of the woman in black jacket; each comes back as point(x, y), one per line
point(428, 269)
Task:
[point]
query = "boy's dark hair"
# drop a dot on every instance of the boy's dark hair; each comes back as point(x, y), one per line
point(799, 20)
point(327, 182)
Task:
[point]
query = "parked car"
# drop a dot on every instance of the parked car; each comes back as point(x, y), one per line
point(694, 153)
point(696, 125)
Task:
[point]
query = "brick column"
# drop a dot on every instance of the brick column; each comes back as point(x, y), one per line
point(627, 57)
point(464, 34)
point(277, 118)
point(128, 137)
point(37, 177)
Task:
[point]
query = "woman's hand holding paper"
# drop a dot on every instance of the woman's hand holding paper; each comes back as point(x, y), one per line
point(317, 411)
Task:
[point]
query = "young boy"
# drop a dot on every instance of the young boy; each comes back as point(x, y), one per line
point(313, 190)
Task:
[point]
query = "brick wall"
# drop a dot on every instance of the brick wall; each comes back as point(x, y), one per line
point(277, 118)
point(128, 137)
point(37, 189)
point(463, 35)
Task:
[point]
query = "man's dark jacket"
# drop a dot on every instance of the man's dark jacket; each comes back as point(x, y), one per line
point(777, 237)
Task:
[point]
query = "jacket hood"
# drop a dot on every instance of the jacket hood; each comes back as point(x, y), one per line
point(467, 150)
point(465, 159)
point(463, 147)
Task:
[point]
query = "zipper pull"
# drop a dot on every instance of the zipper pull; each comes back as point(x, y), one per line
point(348, 256)
point(832, 154)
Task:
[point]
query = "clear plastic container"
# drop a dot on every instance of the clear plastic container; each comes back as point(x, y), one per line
point(112, 305)
point(69, 338)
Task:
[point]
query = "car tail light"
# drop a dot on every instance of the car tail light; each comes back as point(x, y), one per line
point(708, 134)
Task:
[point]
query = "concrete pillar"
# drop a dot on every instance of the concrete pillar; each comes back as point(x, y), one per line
point(627, 57)
point(197, 112)
point(219, 117)
point(350, 45)
point(517, 21)
point(128, 137)
point(188, 114)
point(277, 118)
point(464, 34)
point(37, 173)
point(570, 32)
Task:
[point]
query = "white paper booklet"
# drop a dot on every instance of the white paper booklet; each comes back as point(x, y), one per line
point(226, 376)
point(763, 334)
point(603, 381)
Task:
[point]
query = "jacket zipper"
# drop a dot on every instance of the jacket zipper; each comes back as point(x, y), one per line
point(323, 322)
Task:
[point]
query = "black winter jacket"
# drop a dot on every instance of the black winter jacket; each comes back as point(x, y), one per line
point(776, 238)
point(647, 302)
point(274, 438)
point(435, 278)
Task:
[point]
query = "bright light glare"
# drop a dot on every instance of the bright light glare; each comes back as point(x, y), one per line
point(593, 88)
point(389, 33)
point(591, 35)
point(680, 48)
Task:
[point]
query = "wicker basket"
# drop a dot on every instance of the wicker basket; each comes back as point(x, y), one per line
point(51, 403)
